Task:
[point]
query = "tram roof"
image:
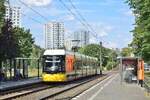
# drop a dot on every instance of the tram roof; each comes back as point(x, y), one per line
point(129, 58)
point(64, 52)
point(54, 52)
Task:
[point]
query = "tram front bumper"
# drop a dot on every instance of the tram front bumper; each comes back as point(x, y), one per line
point(58, 77)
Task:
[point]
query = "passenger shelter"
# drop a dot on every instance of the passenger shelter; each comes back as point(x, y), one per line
point(131, 69)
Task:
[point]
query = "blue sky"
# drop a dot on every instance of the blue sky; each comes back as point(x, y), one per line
point(111, 19)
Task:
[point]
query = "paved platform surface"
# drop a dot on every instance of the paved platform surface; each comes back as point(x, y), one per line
point(112, 89)
point(12, 84)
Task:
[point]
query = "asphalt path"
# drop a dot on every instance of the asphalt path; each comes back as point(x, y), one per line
point(112, 89)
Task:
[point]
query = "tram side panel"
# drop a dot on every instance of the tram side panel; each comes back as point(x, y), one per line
point(69, 67)
point(74, 67)
point(78, 66)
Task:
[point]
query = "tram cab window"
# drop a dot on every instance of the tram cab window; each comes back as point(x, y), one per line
point(54, 64)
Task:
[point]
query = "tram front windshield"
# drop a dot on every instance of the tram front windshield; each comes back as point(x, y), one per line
point(54, 64)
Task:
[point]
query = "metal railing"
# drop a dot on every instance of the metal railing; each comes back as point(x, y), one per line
point(147, 84)
point(20, 68)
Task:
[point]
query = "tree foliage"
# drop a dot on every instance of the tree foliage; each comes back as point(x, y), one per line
point(2, 13)
point(9, 47)
point(25, 41)
point(93, 50)
point(15, 42)
point(126, 52)
point(141, 32)
point(37, 52)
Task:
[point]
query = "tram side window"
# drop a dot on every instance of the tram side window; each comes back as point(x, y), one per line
point(78, 64)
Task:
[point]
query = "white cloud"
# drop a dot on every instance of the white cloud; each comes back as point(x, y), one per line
point(99, 3)
point(129, 13)
point(66, 18)
point(70, 17)
point(110, 45)
point(54, 11)
point(102, 29)
point(38, 2)
point(93, 40)
point(107, 2)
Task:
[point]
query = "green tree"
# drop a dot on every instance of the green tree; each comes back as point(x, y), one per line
point(2, 13)
point(141, 36)
point(9, 47)
point(126, 52)
point(37, 52)
point(112, 61)
point(93, 50)
point(25, 41)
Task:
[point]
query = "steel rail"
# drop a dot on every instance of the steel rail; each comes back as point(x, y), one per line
point(9, 90)
point(26, 91)
point(31, 92)
point(73, 87)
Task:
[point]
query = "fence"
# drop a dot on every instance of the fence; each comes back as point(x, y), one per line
point(147, 84)
point(20, 68)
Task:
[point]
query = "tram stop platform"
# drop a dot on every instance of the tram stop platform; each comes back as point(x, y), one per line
point(8, 85)
point(112, 89)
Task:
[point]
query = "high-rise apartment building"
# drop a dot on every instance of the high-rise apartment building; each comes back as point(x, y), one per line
point(54, 35)
point(13, 13)
point(83, 37)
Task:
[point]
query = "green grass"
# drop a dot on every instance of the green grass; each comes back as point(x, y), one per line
point(34, 72)
point(147, 74)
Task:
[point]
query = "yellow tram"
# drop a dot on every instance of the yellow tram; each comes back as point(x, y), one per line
point(60, 65)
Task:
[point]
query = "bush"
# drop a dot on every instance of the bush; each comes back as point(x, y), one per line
point(110, 65)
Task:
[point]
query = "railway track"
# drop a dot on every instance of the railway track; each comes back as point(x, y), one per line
point(73, 91)
point(52, 91)
point(19, 88)
point(12, 94)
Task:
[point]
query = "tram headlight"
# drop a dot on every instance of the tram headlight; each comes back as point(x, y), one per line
point(53, 68)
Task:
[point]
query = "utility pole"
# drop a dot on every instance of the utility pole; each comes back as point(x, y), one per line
point(112, 62)
point(100, 57)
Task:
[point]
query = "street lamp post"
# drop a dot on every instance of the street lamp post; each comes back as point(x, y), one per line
point(100, 57)
point(75, 45)
point(112, 60)
point(112, 63)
